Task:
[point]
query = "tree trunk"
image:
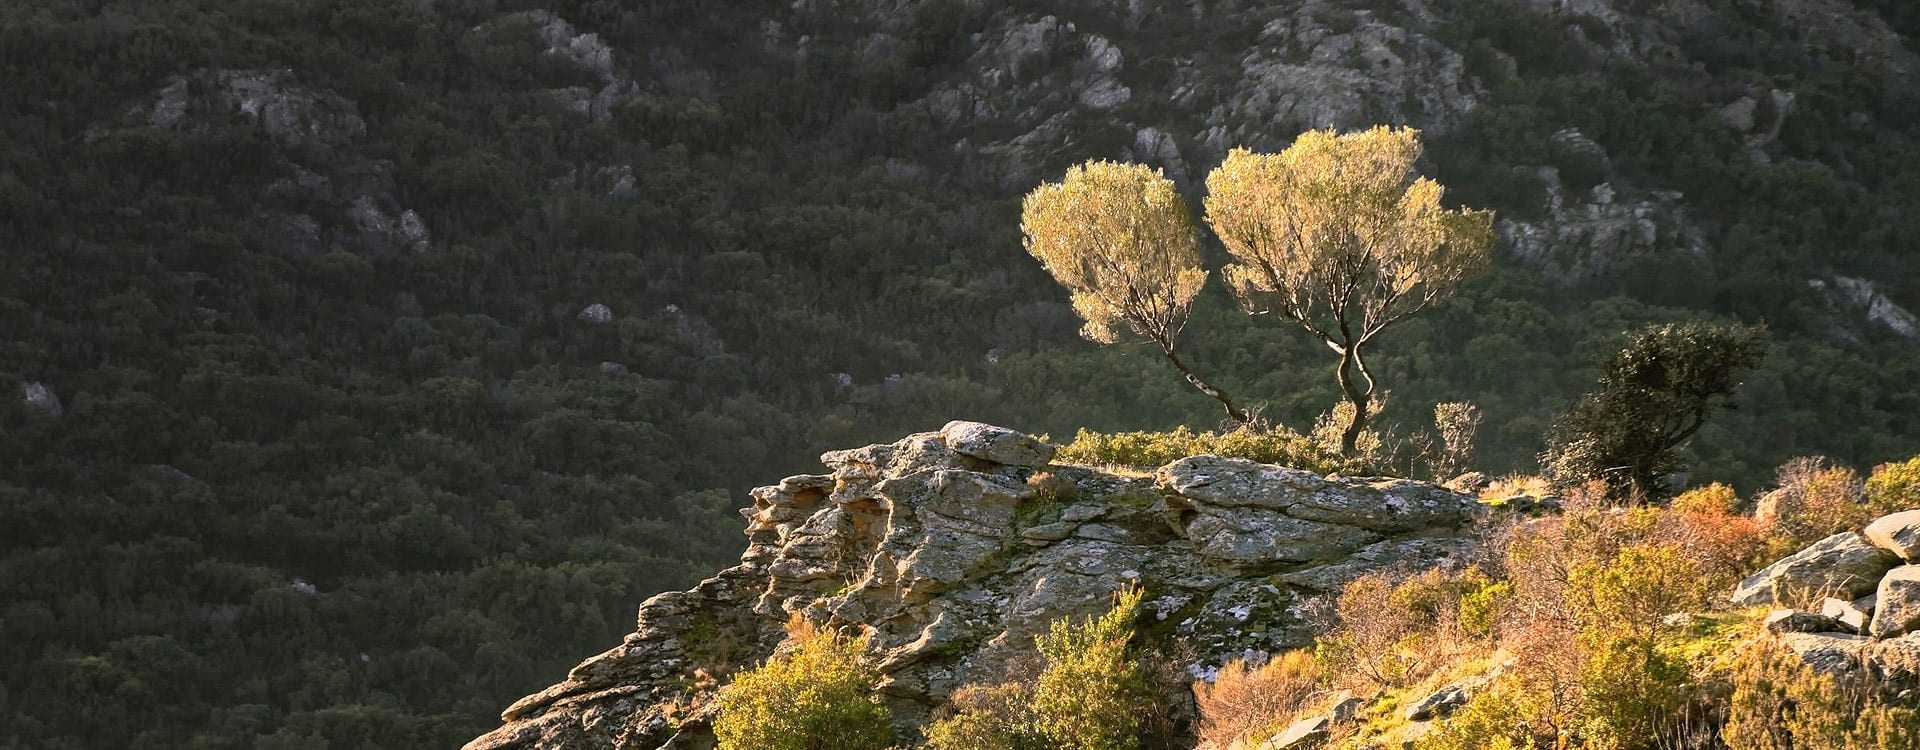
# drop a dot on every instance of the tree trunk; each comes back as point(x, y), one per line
point(1361, 400)
point(1233, 412)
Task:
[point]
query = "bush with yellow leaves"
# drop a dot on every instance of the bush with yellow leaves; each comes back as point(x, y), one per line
point(817, 694)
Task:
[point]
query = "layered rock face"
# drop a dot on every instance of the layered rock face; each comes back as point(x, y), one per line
point(951, 550)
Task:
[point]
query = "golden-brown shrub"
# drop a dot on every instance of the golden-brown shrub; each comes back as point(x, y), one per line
point(1778, 703)
point(1250, 702)
point(1714, 499)
point(1814, 499)
point(1392, 630)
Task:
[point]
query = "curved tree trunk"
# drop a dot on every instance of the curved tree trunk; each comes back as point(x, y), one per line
point(1234, 412)
point(1361, 399)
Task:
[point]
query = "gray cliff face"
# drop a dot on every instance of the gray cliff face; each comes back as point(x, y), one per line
point(951, 550)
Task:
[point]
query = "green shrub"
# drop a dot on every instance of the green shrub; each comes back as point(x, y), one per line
point(818, 695)
point(1088, 696)
point(1894, 487)
point(1092, 694)
point(1778, 703)
point(987, 717)
point(1482, 606)
point(1497, 719)
point(1276, 445)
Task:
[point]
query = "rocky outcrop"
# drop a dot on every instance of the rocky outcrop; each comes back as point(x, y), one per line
point(1861, 297)
point(285, 109)
point(1587, 234)
point(1878, 633)
point(951, 550)
point(596, 314)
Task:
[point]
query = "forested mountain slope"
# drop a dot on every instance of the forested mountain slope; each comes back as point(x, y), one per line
point(354, 338)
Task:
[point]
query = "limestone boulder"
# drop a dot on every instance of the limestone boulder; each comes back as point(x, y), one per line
point(1305, 734)
point(1898, 533)
point(1844, 564)
point(1796, 621)
point(1896, 608)
point(997, 444)
point(1832, 654)
point(1851, 616)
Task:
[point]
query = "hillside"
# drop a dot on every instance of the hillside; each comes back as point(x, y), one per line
point(374, 357)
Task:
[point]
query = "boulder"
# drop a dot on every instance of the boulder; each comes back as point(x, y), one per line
point(1796, 621)
point(1470, 483)
point(1898, 533)
point(1304, 734)
point(1346, 707)
point(1845, 564)
point(1895, 662)
point(997, 444)
point(1850, 615)
point(1896, 603)
point(1439, 703)
point(1831, 654)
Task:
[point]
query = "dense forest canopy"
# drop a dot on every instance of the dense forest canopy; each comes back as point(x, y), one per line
point(320, 440)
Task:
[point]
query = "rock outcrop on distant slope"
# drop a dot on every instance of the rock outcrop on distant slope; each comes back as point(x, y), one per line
point(951, 550)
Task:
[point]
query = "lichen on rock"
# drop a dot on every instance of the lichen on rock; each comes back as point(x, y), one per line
point(951, 550)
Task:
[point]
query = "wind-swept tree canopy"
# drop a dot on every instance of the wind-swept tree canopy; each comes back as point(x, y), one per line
point(1654, 394)
point(1341, 235)
point(1122, 241)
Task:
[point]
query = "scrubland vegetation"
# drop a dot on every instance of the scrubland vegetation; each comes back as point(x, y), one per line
point(306, 492)
point(1604, 625)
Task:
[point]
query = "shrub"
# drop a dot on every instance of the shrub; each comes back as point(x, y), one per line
point(1275, 445)
point(1482, 607)
point(1894, 487)
point(1497, 719)
point(1778, 703)
point(987, 717)
point(1652, 396)
point(1458, 425)
point(1814, 499)
point(1092, 694)
point(1714, 499)
point(1723, 547)
point(1089, 695)
point(1391, 631)
point(1247, 703)
point(817, 694)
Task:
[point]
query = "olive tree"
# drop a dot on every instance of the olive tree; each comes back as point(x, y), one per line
point(1339, 234)
point(1122, 241)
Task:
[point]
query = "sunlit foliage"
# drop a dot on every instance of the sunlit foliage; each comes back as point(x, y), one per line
point(1341, 235)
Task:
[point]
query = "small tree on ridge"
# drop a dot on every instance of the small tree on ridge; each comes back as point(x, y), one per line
point(1120, 238)
point(1339, 234)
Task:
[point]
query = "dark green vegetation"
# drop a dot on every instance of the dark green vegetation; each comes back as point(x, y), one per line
point(429, 441)
point(1654, 395)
